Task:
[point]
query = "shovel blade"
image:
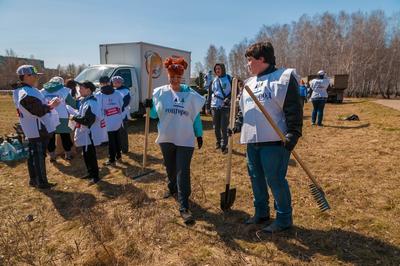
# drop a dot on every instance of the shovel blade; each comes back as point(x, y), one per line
point(228, 198)
point(142, 174)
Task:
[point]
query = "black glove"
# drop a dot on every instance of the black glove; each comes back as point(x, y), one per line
point(148, 103)
point(234, 130)
point(290, 141)
point(200, 142)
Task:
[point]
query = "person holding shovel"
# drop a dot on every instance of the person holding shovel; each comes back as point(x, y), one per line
point(267, 156)
point(178, 108)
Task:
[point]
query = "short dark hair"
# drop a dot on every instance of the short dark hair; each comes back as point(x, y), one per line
point(89, 85)
point(104, 79)
point(262, 49)
point(21, 77)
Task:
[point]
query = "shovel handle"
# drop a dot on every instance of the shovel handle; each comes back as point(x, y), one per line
point(232, 116)
point(147, 121)
point(281, 136)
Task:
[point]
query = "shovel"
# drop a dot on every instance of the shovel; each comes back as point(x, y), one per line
point(153, 65)
point(228, 197)
point(316, 189)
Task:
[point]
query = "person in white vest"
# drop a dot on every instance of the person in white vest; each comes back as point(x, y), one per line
point(111, 102)
point(90, 130)
point(37, 122)
point(218, 103)
point(177, 107)
point(319, 95)
point(55, 89)
point(118, 84)
point(267, 156)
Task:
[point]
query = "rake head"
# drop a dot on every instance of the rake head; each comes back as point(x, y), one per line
point(319, 197)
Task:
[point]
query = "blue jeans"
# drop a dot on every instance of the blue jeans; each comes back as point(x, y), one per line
point(267, 166)
point(319, 105)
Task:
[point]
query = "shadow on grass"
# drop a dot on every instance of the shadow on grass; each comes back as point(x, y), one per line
point(138, 157)
point(351, 127)
point(299, 243)
point(70, 204)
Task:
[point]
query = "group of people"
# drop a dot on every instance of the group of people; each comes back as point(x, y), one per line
point(95, 118)
point(177, 107)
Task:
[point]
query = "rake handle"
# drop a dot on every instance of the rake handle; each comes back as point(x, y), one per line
point(282, 137)
point(232, 116)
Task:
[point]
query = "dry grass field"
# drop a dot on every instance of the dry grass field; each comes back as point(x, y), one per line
point(125, 222)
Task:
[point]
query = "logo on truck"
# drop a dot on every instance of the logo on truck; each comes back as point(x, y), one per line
point(158, 68)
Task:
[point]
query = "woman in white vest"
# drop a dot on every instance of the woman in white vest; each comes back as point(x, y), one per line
point(319, 96)
point(37, 121)
point(55, 89)
point(111, 102)
point(267, 155)
point(90, 130)
point(178, 108)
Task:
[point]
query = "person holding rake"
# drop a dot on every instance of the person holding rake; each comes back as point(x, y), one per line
point(267, 156)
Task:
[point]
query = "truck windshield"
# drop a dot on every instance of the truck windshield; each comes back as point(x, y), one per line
point(93, 74)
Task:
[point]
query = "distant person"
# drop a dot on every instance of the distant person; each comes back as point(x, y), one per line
point(319, 96)
point(55, 89)
point(111, 103)
point(303, 92)
point(36, 121)
point(178, 108)
point(218, 102)
point(118, 83)
point(208, 78)
point(90, 131)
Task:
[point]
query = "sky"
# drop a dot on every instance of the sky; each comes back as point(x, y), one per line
point(63, 32)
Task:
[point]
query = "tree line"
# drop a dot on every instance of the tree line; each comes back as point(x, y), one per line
point(364, 45)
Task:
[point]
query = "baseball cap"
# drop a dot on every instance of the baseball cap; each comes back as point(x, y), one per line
point(104, 79)
point(27, 70)
point(117, 79)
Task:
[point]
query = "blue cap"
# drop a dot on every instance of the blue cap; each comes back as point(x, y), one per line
point(27, 70)
point(117, 78)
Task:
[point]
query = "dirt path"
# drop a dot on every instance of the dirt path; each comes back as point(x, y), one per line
point(395, 104)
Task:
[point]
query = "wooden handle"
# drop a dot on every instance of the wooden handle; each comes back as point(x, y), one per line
point(282, 137)
point(147, 121)
point(232, 116)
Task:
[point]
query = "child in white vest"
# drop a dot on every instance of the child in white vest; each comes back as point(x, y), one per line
point(111, 102)
point(90, 130)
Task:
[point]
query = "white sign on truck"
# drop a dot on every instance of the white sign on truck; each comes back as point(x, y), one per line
point(128, 60)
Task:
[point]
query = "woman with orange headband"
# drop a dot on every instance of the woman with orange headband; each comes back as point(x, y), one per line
point(178, 108)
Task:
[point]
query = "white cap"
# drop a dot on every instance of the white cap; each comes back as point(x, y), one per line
point(57, 80)
point(321, 73)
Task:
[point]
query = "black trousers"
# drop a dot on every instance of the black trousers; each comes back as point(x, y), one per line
point(114, 145)
point(90, 158)
point(36, 162)
point(221, 123)
point(123, 135)
point(65, 139)
point(177, 161)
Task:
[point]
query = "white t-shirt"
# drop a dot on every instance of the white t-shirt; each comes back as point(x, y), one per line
point(176, 112)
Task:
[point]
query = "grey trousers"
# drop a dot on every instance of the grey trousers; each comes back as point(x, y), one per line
point(177, 160)
point(221, 123)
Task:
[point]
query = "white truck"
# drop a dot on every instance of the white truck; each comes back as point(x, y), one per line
point(128, 60)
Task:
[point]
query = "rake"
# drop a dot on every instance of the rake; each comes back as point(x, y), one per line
point(316, 189)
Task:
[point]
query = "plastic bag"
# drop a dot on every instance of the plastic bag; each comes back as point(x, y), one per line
point(7, 152)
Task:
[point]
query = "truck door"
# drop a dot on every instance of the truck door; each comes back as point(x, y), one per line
point(129, 76)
